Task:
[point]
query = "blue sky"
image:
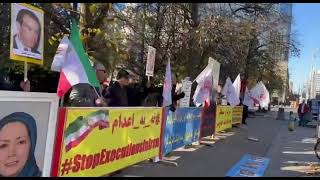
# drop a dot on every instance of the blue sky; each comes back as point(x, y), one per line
point(307, 25)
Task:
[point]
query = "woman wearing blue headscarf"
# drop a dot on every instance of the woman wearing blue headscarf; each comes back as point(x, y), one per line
point(18, 137)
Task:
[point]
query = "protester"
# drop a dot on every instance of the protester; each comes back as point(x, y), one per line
point(175, 96)
point(84, 95)
point(116, 94)
point(153, 95)
point(302, 111)
point(244, 112)
point(25, 86)
point(7, 85)
point(134, 95)
point(101, 76)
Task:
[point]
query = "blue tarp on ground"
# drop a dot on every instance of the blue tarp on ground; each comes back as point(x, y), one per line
point(249, 166)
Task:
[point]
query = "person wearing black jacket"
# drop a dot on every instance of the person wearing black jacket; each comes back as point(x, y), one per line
point(134, 94)
point(116, 94)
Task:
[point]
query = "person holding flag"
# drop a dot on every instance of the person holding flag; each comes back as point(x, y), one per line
point(203, 92)
point(76, 72)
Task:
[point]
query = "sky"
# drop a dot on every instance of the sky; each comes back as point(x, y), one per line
point(306, 23)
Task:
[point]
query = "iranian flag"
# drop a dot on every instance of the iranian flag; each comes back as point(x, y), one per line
point(73, 63)
point(79, 129)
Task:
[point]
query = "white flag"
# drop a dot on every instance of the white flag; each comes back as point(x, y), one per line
point(237, 85)
point(264, 96)
point(260, 95)
point(204, 87)
point(167, 87)
point(59, 58)
point(248, 101)
point(229, 91)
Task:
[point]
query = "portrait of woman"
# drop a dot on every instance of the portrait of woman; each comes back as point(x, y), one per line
point(18, 137)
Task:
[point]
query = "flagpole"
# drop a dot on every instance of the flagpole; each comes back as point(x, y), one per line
point(61, 101)
point(25, 71)
point(95, 90)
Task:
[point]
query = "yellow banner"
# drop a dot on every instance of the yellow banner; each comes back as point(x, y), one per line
point(223, 118)
point(237, 114)
point(100, 141)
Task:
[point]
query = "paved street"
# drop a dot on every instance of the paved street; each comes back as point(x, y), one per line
point(285, 149)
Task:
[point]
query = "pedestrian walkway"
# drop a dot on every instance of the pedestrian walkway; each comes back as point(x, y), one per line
point(292, 153)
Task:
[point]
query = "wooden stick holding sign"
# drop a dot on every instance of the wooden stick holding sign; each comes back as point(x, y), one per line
point(25, 72)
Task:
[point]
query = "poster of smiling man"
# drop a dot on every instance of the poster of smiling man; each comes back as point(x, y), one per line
point(27, 33)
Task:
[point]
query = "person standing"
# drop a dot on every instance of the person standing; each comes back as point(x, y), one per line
point(134, 96)
point(84, 95)
point(116, 94)
point(302, 111)
point(244, 112)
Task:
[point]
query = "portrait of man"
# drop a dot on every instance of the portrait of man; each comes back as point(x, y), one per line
point(29, 30)
point(26, 33)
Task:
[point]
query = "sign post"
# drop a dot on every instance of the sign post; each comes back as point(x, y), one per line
point(186, 88)
point(25, 72)
point(150, 62)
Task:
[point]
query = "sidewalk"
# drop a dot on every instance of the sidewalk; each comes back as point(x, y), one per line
point(292, 152)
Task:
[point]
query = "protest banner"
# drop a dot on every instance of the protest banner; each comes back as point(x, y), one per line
point(215, 71)
point(237, 114)
point(207, 121)
point(150, 61)
point(249, 166)
point(99, 141)
point(27, 117)
point(223, 118)
point(27, 33)
point(186, 88)
point(182, 127)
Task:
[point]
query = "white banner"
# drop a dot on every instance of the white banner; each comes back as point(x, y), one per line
point(150, 61)
point(237, 85)
point(215, 71)
point(248, 101)
point(260, 94)
point(186, 88)
point(230, 93)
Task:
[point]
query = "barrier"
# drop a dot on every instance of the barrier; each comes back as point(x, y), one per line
point(223, 118)
point(237, 115)
point(207, 121)
point(181, 128)
point(99, 141)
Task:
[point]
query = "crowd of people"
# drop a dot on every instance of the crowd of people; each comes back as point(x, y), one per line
point(125, 91)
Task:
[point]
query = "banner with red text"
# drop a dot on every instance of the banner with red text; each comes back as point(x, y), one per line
point(98, 141)
point(223, 118)
point(237, 114)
